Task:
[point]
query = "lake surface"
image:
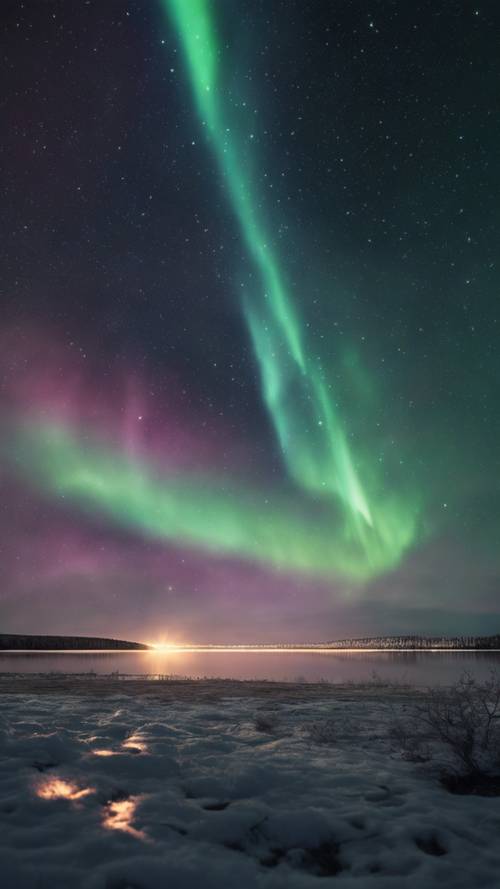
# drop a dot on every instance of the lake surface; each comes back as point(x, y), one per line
point(413, 667)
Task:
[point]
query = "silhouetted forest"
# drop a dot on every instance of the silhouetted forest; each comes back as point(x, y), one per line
point(420, 642)
point(14, 642)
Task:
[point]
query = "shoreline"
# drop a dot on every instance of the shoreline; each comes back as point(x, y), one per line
point(243, 649)
point(189, 689)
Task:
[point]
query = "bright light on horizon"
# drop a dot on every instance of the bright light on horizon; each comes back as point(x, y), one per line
point(163, 646)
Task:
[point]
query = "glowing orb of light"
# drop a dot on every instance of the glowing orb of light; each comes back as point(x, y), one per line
point(163, 646)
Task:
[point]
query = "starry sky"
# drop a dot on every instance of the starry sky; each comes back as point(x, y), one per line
point(249, 346)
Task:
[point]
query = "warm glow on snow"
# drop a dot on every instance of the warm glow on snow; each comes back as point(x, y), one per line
point(58, 788)
point(135, 742)
point(120, 814)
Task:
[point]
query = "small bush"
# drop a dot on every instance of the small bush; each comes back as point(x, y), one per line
point(466, 719)
point(463, 720)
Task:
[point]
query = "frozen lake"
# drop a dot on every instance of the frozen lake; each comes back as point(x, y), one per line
point(414, 667)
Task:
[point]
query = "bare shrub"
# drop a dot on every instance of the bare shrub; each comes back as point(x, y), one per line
point(466, 719)
point(463, 719)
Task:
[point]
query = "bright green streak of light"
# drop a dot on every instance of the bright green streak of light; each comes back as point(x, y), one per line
point(194, 22)
point(300, 401)
point(343, 527)
point(218, 515)
point(275, 328)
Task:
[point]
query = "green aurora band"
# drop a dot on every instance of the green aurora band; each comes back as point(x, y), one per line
point(192, 509)
point(294, 388)
point(345, 519)
point(298, 396)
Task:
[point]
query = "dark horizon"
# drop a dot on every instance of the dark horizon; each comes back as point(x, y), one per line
point(23, 643)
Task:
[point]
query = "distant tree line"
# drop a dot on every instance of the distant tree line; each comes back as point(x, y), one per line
point(15, 642)
point(420, 642)
point(408, 643)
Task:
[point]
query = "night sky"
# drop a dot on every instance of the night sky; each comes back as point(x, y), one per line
point(250, 317)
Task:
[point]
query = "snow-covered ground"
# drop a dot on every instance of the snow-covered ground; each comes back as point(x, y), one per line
point(183, 790)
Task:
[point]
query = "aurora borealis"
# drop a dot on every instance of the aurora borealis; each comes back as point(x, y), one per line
point(195, 509)
point(300, 399)
point(249, 361)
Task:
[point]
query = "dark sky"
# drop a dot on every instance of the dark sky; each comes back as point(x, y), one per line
point(249, 351)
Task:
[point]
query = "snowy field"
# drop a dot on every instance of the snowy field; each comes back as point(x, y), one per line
point(124, 785)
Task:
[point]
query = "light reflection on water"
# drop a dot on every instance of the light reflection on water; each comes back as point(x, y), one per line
point(414, 667)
